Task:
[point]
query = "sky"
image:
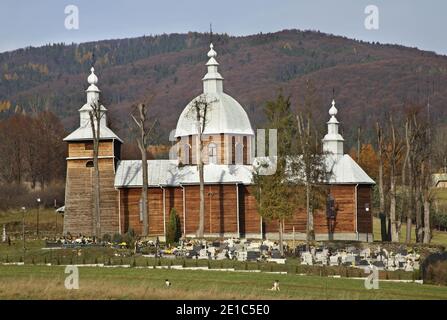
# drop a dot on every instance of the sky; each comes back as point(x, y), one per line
point(414, 23)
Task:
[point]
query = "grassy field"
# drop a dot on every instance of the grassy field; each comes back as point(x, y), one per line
point(41, 282)
point(33, 281)
point(48, 220)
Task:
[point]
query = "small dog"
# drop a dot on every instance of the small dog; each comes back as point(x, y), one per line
point(167, 283)
point(275, 286)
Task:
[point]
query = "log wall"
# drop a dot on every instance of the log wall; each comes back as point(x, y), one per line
point(226, 149)
point(83, 149)
point(79, 190)
point(345, 222)
point(79, 198)
point(221, 211)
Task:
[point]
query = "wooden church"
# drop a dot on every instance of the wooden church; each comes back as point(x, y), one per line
point(230, 206)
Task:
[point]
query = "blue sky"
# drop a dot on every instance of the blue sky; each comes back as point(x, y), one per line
point(413, 23)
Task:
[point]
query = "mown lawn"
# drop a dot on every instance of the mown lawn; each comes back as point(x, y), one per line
point(41, 282)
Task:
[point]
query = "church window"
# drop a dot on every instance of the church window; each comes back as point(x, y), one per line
point(239, 153)
point(89, 164)
point(212, 153)
point(187, 155)
point(233, 150)
point(245, 150)
point(88, 146)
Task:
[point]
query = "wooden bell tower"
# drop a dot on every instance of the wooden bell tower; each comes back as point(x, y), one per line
point(80, 173)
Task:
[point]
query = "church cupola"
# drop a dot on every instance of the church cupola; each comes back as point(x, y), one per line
point(333, 141)
point(92, 98)
point(213, 81)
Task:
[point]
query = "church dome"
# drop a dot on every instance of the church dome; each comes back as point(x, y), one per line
point(224, 114)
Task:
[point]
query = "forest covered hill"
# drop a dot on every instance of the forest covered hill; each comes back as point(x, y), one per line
point(369, 79)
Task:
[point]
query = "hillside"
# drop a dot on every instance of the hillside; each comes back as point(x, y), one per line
point(369, 79)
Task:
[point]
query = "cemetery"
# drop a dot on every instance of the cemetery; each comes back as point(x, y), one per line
point(344, 259)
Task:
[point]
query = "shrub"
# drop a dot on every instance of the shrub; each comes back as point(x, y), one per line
point(173, 233)
point(434, 269)
point(107, 238)
point(130, 238)
point(117, 238)
point(436, 273)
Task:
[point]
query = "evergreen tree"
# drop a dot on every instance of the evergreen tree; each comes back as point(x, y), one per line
point(274, 194)
point(173, 233)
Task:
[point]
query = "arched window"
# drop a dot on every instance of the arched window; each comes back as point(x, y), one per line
point(89, 164)
point(212, 153)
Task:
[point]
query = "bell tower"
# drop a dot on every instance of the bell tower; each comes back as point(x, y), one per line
point(80, 171)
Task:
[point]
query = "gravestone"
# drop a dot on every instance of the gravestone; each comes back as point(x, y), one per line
point(334, 261)
point(241, 255)
point(276, 254)
point(379, 265)
point(253, 255)
point(306, 258)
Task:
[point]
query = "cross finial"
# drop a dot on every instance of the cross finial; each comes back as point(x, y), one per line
point(212, 53)
point(333, 110)
point(92, 79)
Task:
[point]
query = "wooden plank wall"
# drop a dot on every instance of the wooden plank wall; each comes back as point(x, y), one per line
point(130, 211)
point(174, 200)
point(225, 155)
point(250, 220)
point(79, 198)
point(344, 196)
point(77, 149)
point(220, 209)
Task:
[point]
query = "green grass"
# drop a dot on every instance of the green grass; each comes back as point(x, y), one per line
point(39, 282)
point(439, 238)
point(47, 222)
point(440, 194)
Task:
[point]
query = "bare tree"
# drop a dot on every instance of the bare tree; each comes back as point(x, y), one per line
point(359, 146)
point(381, 151)
point(200, 110)
point(143, 143)
point(96, 115)
point(394, 156)
point(419, 149)
point(426, 199)
point(407, 209)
